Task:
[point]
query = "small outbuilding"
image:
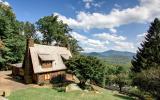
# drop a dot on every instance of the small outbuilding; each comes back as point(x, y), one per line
point(42, 63)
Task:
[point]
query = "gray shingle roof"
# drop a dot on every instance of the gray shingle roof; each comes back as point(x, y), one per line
point(46, 52)
point(46, 57)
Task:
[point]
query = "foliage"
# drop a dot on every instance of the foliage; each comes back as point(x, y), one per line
point(13, 43)
point(87, 68)
point(145, 69)
point(118, 75)
point(142, 95)
point(148, 56)
point(121, 79)
point(53, 30)
point(57, 33)
point(149, 80)
point(29, 31)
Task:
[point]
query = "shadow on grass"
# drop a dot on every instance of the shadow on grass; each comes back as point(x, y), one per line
point(124, 97)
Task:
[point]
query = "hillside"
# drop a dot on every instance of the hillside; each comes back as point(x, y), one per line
point(114, 57)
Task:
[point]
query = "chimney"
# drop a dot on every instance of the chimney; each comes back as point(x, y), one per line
point(27, 63)
point(30, 42)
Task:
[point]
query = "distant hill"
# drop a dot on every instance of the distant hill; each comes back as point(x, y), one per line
point(114, 57)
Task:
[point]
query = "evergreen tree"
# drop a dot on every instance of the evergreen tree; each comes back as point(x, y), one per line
point(145, 64)
point(149, 54)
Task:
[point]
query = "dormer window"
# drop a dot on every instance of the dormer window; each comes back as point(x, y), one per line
point(46, 60)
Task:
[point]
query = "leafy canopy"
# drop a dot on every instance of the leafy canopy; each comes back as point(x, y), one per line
point(87, 68)
point(55, 32)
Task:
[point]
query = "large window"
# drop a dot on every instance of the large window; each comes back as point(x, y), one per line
point(47, 77)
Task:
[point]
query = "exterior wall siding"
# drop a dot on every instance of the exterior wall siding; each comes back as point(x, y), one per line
point(49, 76)
point(15, 71)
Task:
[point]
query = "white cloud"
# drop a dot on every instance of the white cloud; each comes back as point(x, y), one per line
point(78, 36)
point(110, 37)
point(117, 5)
point(146, 11)
point(119, 42)
point(124, 46)
point(97, 4)
point(4, 2)
point(39, 35)
point(88, 49)
point(96, 43)
point(141, 35)
point(87, 3)
point(113, 30)
point(89, 44)
point(100, 45)
point(140, 38)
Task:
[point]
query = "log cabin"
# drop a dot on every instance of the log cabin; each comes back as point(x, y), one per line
point(42, 63)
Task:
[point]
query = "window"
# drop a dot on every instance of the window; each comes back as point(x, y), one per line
point(47, 76)
point(46, 60)
point(46, 64)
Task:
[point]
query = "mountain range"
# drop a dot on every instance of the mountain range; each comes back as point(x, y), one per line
point(114, 57)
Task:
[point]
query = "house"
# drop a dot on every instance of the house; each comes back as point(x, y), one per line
point(42, 63)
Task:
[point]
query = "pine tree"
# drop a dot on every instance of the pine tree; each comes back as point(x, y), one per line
point(149, 54)
point(146, 64)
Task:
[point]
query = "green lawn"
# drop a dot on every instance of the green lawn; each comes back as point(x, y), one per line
point(51, 94)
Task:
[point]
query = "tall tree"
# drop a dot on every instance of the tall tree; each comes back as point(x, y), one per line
point(29, 31)
point(148, 56)
point(57, 33)
point(13, 43)
point(53, 30)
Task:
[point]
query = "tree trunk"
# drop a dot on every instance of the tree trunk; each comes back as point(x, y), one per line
point(120, 88)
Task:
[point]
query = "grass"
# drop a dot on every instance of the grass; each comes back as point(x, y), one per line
point(51, 94)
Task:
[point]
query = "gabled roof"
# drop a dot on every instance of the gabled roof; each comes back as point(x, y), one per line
point(46, 52)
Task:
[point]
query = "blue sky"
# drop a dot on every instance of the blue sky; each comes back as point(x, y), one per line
point(98, 25)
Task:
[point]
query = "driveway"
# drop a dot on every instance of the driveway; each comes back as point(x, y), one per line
point(7, 83)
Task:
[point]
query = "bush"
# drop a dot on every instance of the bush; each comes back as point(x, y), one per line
point(134, 91)
point(149, 80)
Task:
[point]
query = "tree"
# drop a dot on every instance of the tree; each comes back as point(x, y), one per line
point(29, 31)
point(87, 68)
point(55, 31)
point(13, 43)
point(118, 75)
point(147, 57)
point(121, 80)
point(73, 45)
point(149, 80)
